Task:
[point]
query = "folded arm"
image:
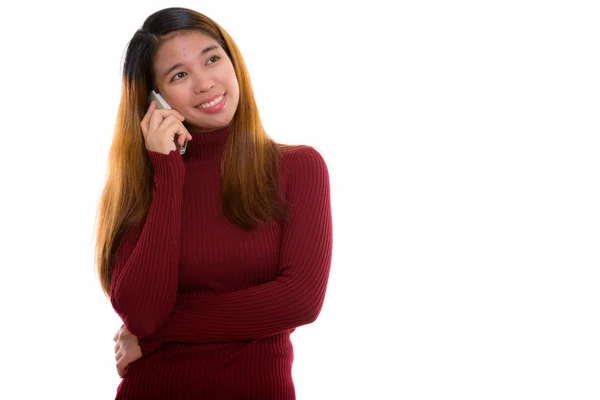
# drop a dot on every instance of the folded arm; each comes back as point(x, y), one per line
point(145, 271)
point(295, 297)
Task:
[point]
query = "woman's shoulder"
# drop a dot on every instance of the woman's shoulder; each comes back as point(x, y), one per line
point(301, 159)
point(299, 151)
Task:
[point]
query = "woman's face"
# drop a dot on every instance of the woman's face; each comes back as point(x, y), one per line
point(196, 78)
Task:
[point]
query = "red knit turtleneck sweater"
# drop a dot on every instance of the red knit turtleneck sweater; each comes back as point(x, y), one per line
point(212, 304)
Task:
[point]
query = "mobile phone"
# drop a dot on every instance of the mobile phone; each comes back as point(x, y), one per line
point(161, 103)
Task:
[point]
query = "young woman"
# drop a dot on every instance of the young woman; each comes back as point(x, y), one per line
point(211, 257)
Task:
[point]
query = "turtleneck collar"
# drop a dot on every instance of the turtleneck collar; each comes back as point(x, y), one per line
point(206, 146)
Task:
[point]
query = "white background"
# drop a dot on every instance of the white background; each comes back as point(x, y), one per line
point(463, 146)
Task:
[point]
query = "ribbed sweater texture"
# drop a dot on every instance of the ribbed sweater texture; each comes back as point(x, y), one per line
point(213, 305)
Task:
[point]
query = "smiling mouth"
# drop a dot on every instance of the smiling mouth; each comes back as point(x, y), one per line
point(211, 103)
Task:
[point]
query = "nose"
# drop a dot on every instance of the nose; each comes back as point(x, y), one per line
point(203, 84)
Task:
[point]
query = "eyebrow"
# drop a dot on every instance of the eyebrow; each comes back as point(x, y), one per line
point(180, 64)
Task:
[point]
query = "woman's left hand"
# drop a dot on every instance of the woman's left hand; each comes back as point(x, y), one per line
point(127, 349)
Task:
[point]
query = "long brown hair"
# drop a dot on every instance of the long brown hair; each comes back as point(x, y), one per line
point(249, 168)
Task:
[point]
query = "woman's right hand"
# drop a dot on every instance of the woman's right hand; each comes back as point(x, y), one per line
point(160, 128)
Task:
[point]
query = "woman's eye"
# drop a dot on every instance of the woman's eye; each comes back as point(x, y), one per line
point(178, 75)
point(213, 59)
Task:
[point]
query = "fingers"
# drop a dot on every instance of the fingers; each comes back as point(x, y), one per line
point(180, 133)
point(123, 361)
point(158, 116)
point(163, 132)
point(168, 122)
point(121, 368)
point(154, 117)
point(126, 354)
point(146, 119)
point(188, 135)
point(183, 134)
point(121, 330)
point(177, 132)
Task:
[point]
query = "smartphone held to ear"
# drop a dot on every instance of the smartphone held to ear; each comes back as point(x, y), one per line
point(161, 103)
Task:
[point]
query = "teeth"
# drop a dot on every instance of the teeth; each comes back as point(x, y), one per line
point(212, 103)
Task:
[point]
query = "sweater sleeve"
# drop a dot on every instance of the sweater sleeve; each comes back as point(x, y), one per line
point(295, 297)
point(144, 283)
